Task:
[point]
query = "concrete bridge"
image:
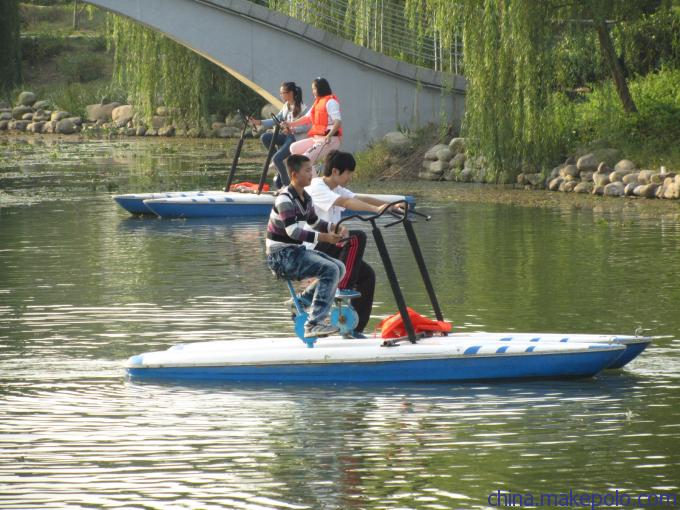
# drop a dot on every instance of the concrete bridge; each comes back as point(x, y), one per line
point(262, 48)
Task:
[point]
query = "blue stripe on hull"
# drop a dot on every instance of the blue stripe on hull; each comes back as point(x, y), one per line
point(583, 364)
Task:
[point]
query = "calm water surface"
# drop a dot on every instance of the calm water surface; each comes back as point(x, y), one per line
point(83, 286)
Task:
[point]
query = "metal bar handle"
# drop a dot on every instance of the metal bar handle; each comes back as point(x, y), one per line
point(375, 216)
point(237, 154)
point(270, 154)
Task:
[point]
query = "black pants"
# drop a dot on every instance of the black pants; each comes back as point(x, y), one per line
point(359, 275)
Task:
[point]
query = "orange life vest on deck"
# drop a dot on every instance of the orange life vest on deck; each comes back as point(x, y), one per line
point(393, 326)
point(247, 187)
point(319, 116)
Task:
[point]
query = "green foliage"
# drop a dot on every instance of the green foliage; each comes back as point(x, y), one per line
point(47, 2)
point(82, 67)
point(439, 19)
point(645, 44)
point(75, 96)
point(33, 15)
point(57, 18)
point(651, 42)
point(508, 66)
point(577, 60)
point(380, 25)
point(228, 95)
point(156, 70)
point(649, 137)
point(40, 47)
point(373, 161)
point(518, 52)
point(10, 47)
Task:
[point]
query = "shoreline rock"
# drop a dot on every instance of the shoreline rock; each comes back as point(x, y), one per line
point(588, 173)
point(105, 119)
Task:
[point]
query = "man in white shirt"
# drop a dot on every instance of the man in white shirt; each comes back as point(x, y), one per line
point(330, 198)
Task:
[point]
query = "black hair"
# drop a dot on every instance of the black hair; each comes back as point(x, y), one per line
point(294, 162)
point(343, 161)
point(291, 86)
point(323, 88)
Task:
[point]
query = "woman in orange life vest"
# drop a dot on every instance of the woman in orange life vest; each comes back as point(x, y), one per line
point(325, 134)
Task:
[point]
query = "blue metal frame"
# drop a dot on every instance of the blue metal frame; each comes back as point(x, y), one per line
point(343, 315)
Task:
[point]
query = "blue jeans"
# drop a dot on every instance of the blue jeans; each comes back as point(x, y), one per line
point(297, 263)
point(283, 143)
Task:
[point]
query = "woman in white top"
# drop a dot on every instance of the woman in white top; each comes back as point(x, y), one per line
point(293, 107)
point(325, 134)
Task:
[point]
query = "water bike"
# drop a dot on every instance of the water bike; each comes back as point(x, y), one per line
point(236, 199)
point(414, 356)
point(134, 202)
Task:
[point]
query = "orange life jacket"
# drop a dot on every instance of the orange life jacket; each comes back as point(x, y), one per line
point(393, 326)
point(247, 187)
point(319, 116)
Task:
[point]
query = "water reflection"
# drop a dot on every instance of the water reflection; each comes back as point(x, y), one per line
point(83, 286)
point(333, 447)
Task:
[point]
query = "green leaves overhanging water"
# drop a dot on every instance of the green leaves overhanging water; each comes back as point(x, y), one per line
point(157, 71)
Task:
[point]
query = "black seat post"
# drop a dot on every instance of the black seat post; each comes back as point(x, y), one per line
point(237, 154)
point(415, 246)
point(394, 283)
point(270, 153)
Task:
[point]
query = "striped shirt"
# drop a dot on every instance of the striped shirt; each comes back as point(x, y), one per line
point(290, 214)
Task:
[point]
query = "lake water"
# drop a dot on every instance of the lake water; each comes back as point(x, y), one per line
point(83, 286)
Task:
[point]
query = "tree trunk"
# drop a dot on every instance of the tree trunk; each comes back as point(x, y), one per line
point(609, 54)
point(75, 14)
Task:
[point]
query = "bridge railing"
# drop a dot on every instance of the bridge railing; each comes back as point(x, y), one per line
point(380, 25)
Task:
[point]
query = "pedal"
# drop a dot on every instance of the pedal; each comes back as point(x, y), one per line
point(393, 342)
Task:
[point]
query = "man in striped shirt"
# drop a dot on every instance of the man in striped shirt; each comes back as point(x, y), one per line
point(287, 256)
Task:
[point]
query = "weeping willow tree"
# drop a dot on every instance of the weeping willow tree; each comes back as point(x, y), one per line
point(509, 52)
point(509, 48)
point(507, 61)
point(157, 71)
point(10, 46)
point(379, 25)
point(508, 115)
point(437, 23)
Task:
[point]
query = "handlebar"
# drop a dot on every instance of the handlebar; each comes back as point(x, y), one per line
point(244, 117)
point(277, 122)
point(427, 217)
point(375, 216)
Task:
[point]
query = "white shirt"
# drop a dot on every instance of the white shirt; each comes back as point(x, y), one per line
point(286, 115)
point(323, 198)
point(333, 109)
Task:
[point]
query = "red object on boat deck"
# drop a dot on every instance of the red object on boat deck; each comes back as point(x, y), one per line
point(393, 326)
point(247, 186)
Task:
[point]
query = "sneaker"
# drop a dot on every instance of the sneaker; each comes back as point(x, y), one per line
point(358, 335)
point(318, 330)
point(347, 294)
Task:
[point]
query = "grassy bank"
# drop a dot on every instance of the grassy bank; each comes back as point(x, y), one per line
point(649, 137)
point(66, 63)
point(588, 121)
